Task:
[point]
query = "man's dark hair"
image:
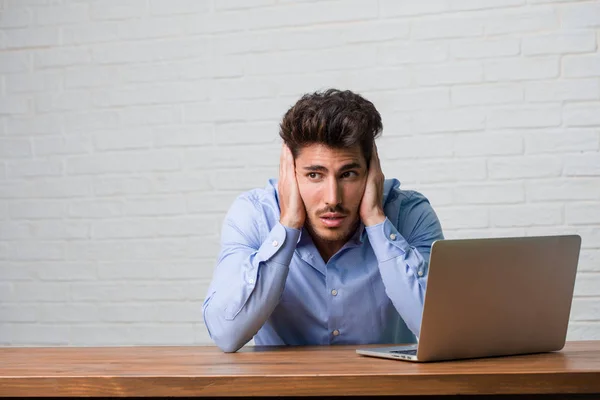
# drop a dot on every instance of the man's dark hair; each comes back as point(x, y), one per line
point(338, 119)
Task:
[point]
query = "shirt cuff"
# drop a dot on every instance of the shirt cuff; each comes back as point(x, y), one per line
point(386, 241)
point(279, 245)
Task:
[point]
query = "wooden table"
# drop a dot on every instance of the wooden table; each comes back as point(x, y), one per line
point(308, 371)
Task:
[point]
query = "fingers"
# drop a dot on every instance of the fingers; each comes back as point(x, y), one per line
point(282, 159)
point(374, 165)
point(375, 156)
point(286, 165)
point(289, 162)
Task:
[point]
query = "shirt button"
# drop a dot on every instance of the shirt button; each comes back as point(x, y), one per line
point(334, 292)
point(336, 333)
point(393, 236)
point(251, 281)
point(275, 243)
point(420, 273)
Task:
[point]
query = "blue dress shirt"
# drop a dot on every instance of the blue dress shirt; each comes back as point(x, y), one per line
point(271, 283)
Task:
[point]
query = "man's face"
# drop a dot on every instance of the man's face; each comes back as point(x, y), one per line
point(331, 183)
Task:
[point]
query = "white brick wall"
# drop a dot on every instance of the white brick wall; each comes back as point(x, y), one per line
point(127, 127)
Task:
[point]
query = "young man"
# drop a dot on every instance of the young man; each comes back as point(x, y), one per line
point(331, 253)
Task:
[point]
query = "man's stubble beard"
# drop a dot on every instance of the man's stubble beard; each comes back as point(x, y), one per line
point(341, 235)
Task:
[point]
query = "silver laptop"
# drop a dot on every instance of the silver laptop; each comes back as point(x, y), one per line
point(494, 297)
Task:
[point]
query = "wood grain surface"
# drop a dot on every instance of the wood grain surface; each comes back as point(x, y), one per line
point(286, 371)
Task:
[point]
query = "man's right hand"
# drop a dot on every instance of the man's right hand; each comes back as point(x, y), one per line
point(291, 205)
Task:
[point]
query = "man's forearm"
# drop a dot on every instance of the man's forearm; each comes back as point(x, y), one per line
point(230, 328)
point(403, 272)
point(248, 289)
point(405, 288)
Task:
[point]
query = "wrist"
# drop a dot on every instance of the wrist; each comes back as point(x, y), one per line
point(291, 223)
point(374, 219)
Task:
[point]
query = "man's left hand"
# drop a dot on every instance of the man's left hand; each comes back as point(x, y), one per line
point(371, 206)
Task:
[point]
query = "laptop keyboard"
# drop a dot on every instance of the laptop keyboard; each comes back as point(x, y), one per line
point(407, 352)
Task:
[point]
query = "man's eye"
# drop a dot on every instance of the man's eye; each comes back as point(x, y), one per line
point(349, 174)
point(313, 175)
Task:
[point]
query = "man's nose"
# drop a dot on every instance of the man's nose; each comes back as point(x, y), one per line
point(334, 196)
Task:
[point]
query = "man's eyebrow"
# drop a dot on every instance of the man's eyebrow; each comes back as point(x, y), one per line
point(320, 168)
point(315, 168)
point(353, 165)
